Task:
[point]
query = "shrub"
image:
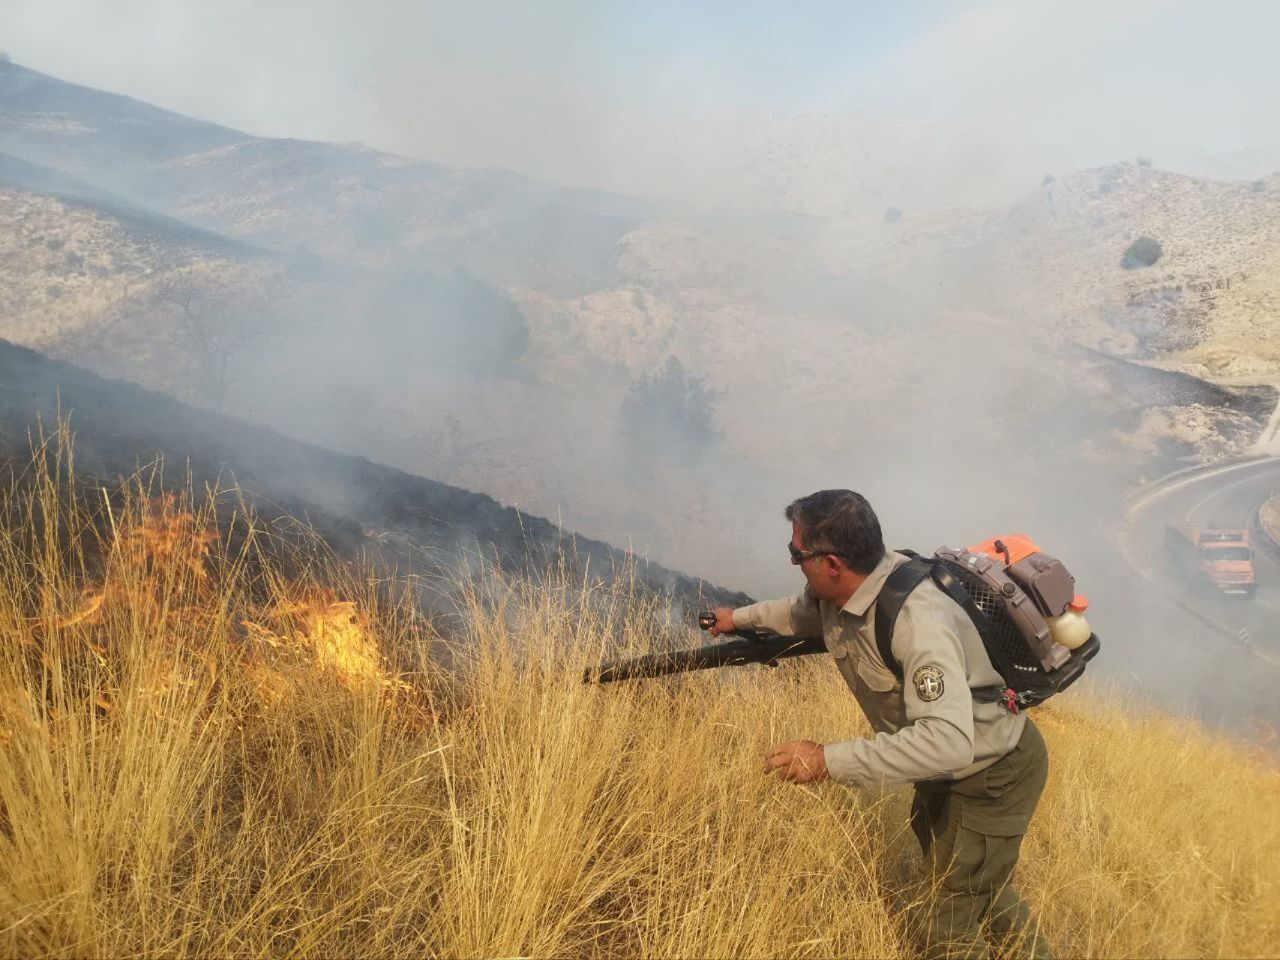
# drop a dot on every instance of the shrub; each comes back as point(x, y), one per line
point(1143, 252)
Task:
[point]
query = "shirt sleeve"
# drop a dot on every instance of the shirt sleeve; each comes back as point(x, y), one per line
point(796, 616)
point(936, 738)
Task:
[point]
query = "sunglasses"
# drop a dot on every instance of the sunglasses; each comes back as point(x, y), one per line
point(800, 556)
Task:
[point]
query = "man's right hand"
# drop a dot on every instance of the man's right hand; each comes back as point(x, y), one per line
point(724, 621)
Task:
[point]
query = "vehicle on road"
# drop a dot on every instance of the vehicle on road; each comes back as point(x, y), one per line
point(1218, 559)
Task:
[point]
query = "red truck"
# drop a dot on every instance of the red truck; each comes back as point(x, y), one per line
point(1215, 557)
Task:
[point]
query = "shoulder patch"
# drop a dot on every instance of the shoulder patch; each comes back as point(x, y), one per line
point(928, 683)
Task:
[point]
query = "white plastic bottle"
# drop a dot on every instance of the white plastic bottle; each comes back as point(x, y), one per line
point(1071, 629)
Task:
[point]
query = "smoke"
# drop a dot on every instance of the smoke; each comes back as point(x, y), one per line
point(485, 329)
point(848, 107)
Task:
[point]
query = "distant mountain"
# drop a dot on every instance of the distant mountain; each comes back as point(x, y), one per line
point(355, 504)
point(346, 203)
point(104, 138)
point(1055, 259)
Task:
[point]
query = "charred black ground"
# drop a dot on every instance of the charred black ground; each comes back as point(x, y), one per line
point(357, 506)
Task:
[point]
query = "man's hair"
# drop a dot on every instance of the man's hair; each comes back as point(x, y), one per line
point(840, 522)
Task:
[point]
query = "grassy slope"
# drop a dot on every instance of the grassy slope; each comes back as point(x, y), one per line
point(201, 756)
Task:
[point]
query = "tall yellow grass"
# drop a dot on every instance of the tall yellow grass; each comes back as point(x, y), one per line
point(204, 756)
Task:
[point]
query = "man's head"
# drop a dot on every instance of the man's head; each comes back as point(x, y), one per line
point(835, 540)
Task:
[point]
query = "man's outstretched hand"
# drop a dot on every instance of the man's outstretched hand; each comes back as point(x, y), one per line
point(799, 761)
point(724, 621)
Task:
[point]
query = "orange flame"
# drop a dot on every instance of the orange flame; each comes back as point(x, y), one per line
point(334, 636)
point(165, 535)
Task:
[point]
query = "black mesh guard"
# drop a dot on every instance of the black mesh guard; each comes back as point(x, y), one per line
point(1009, 652)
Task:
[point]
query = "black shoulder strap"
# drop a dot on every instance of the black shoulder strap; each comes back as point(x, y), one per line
point(902, 580)
point(905, 578)
point(953, 588)
point(956, 591)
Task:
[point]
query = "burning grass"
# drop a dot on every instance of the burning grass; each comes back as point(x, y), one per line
point(204, 756)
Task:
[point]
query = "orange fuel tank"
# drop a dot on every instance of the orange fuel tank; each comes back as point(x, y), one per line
point(1016, 546)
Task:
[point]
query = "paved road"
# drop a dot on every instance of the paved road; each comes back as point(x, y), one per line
point(1188, 643)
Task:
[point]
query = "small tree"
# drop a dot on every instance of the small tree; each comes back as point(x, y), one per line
point(219, 317)
point(1143, 252)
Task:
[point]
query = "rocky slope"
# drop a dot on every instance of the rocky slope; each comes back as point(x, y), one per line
point(69, 265)
point(1207, 305)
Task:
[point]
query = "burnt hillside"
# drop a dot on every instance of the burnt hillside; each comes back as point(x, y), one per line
point(356, 505)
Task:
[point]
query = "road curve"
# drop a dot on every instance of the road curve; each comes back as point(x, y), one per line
point(1225, 496)
point(1227, 650)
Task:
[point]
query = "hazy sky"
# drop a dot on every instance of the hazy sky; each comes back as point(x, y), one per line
point(702, 99)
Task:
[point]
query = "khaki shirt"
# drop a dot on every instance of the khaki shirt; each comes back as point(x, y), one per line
point(928, 728)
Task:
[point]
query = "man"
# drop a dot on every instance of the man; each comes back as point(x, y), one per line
point(978, 769)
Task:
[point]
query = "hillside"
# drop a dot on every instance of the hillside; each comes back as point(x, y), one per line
point(71, 265)
point(1052, 259)
point(342, 202)
point(1055, 258)
point(490, 331)
point(1207, 305)
point(357, 506)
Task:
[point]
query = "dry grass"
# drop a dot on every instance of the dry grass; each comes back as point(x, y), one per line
point(203, 756)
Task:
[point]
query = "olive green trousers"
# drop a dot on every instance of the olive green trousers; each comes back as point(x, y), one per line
point(971, 831)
